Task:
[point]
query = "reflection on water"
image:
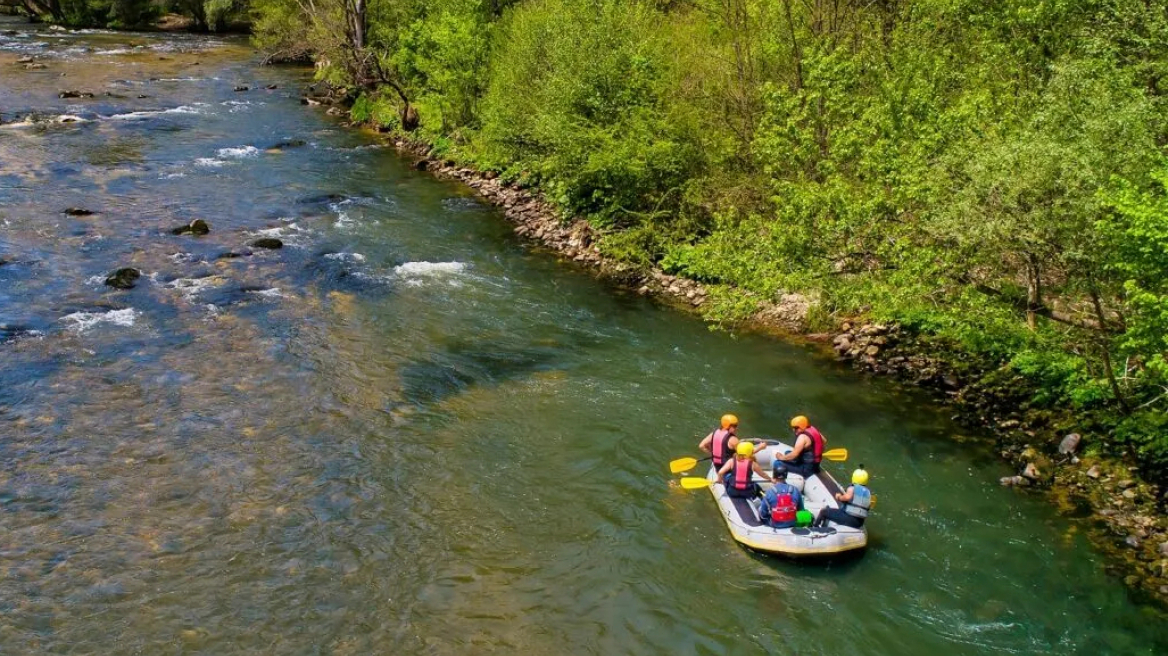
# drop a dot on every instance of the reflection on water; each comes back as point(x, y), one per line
point(401, 432)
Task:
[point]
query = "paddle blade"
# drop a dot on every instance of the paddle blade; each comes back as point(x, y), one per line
point(836, 455)
point(682, 465)
point(695, 483)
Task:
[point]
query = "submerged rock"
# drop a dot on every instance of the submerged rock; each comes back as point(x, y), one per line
point(75, 94)
point(123, 278)
point(267, 242)
point(196, 227)
point(288, 143)
point(78, 211)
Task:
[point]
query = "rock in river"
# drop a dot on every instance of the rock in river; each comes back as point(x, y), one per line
point(196, 227)
point(123, 278)
point(267, 242)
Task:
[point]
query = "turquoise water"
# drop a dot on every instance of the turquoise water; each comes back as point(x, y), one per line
point(408, 432)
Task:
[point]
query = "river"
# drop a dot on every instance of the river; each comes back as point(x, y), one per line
point(408, 432)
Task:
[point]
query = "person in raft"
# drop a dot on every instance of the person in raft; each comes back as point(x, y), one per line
point(781, 502)
point(722, 442)
point(855, 502)
point(738, 473)
point(804, 457)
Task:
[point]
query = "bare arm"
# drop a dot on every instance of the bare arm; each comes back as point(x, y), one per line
point(725, 467)
point(847, 495)
point(758, 470)
point(796, 450)
point(706, 444)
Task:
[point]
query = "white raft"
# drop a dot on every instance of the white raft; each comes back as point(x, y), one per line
point(742, 516)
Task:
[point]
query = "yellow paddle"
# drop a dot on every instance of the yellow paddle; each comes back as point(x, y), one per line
point(687, 464)
point(695, 483)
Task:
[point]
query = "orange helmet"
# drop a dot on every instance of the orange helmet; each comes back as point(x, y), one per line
point(800, 422)
point(728, 421)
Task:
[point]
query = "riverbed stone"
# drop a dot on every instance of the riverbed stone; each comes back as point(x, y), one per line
point(1130, 494)
point(78, 211)
point(1094, 472)
point(268, 242)
point(123, 278)
point(196, 227)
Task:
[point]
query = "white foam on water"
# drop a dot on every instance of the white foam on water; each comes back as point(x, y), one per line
point(278, 231)
point(209, 162)
point(356, 257)
point(191, 287)
point(273, 292)
point(239, 152)
point(343, 221)
point(83, 321)
point(95, 280)
point(418, 273)
point(133, 116)
point(171, 176)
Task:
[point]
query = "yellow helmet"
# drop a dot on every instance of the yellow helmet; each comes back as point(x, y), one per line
point(745, 449)
point(729, 420)
point(800, 422)
point(860, 476)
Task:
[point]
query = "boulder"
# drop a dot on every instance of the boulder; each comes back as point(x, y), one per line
point(75, 94)
point(268, 242)
point(78, 211)
point(196, 227)
point(242, 87)
point(123, 278)
point(1069, 444)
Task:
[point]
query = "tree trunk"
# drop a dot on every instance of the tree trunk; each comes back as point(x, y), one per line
point(1033, 291)
point(1105, 350)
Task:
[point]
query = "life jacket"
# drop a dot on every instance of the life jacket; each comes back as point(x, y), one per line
point(815, 454)
point(784, 509)
point(860, 503)
point(742, 474)
point(720, 447)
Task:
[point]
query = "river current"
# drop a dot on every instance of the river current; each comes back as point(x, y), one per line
point(408, 432)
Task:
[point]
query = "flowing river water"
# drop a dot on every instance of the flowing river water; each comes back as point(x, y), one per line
point(407, 432)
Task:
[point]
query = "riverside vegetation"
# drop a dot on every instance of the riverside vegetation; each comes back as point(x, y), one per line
point(988, 176)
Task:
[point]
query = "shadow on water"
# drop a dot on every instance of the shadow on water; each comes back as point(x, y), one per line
point(468, 364)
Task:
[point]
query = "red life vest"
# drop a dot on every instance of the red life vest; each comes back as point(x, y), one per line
point(784, 509)
point(815, 455)
point(720, 447)
point(741, 474)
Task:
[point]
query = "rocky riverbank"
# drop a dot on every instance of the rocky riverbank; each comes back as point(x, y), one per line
point(1123, 515)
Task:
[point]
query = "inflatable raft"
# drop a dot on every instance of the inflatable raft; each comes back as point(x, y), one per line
point(742, 516)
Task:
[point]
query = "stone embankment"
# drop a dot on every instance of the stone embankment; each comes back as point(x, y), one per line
point(1124, 516)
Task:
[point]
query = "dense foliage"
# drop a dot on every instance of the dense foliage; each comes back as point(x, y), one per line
point(988, 172)
point(204, 15)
